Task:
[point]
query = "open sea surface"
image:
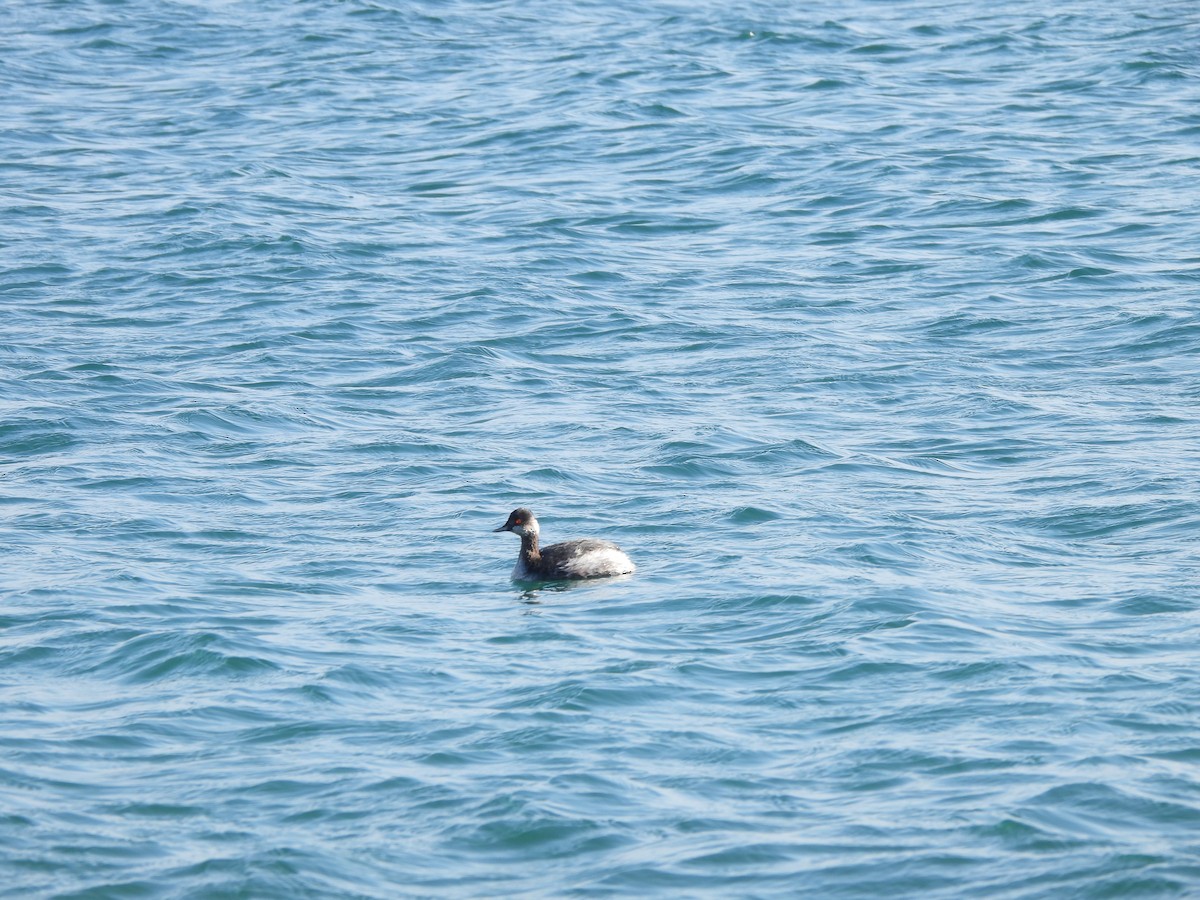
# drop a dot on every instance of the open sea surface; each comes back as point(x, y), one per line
point(871, 330)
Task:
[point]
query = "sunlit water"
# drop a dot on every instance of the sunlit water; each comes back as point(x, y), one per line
point(868, 329)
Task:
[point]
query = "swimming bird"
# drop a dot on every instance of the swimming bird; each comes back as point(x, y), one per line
point(587, 558)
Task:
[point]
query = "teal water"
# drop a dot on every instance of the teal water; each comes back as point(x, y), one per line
point(869, 329)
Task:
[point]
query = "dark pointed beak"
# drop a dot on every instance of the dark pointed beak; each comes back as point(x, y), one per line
point(501, 528)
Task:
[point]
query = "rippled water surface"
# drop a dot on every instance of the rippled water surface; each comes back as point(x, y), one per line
point(869, 329)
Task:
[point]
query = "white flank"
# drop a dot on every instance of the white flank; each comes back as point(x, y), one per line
point(595, 563)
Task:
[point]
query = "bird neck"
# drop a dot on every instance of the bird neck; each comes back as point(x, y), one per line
point(529, 546)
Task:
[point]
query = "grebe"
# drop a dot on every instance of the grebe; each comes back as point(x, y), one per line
point(570, 559)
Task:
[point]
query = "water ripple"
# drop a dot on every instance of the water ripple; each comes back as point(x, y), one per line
point(868, 331)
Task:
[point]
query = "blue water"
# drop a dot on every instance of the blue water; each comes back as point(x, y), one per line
point(870, 330)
